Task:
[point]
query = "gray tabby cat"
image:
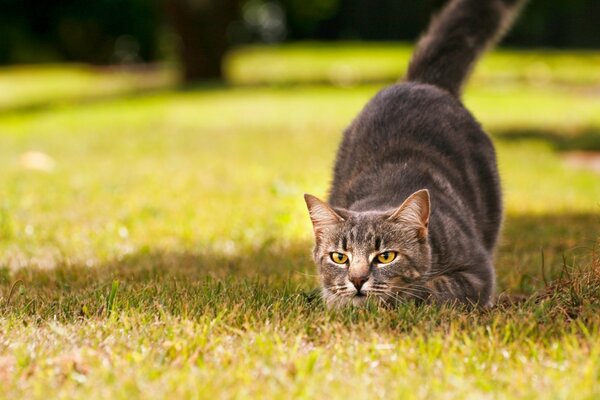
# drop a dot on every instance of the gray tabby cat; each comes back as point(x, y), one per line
point(415, 206)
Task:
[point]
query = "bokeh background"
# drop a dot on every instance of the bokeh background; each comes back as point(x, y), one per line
point(109, 32)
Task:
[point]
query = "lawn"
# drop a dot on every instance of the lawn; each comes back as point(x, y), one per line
point(154, 242)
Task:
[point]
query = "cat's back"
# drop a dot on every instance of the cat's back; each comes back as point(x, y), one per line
point(412, 136)
point(412, 114)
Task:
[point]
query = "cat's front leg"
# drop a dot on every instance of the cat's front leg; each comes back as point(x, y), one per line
point(461, 287)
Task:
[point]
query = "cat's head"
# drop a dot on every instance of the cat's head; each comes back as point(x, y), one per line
point(372, 255)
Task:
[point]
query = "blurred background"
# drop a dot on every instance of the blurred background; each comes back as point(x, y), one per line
point(195, 34)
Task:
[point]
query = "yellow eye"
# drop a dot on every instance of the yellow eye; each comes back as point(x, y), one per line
point(386, 257)
point(339, 258)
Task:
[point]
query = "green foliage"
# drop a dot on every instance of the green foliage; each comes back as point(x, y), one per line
point(98, 31)
point(180, 213)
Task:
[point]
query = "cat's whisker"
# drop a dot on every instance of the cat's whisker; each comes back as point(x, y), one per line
point(408, 291)
point(394, 297)
point(380, 285)
point(387, 294)
point(410, 288)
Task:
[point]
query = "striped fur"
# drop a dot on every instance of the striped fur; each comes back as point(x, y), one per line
point(415, 174)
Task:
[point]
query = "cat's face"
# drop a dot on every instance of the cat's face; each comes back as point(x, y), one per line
point(371, 255)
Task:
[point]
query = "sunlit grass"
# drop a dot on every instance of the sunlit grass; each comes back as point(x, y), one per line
point(353, 63)
point(192, 201)
point(32, 87)
point(341, 64)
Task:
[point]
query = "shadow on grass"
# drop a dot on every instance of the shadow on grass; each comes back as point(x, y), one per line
point(153, 266)
point(178, 283)
point(587, 139)
point(266, 276)
point(535, 250)
point(75, 101)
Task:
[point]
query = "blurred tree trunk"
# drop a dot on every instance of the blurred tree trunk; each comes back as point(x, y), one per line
point(202, 28)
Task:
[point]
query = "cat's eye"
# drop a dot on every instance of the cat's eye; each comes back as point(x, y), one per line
point(339, 258)
point(386, 257)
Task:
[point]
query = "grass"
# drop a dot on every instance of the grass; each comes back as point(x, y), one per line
point(159, 246)
point(351, 63)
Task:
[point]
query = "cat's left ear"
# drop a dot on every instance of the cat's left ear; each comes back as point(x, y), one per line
point(321, 215)
point(415, 211)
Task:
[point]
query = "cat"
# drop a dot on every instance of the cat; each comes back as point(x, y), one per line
point(415, 206)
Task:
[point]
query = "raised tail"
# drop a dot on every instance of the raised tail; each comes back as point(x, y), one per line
point(456, 37)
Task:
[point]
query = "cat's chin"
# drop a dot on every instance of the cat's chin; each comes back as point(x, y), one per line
point(359, 301)
point(354, 301)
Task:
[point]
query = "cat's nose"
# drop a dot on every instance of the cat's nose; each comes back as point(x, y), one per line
point(358, 281)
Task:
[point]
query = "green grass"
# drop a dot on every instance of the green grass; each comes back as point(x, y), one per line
point(348, 64)
point(165, 249)
point(34, 87)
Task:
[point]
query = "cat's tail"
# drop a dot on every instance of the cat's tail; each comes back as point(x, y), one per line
point(456, 37)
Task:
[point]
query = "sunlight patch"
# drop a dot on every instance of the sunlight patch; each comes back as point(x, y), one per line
point(37, 161)
point(589, 160)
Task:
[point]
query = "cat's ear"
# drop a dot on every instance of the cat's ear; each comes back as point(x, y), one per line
point(321, 214)
point(415, 211)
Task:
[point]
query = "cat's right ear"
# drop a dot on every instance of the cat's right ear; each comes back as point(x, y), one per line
point(415, 211)
point(321, 215)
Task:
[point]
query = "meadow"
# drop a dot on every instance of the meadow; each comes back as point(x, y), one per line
point(154, 241)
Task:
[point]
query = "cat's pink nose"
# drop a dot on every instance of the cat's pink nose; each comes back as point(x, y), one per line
point(358, 281)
